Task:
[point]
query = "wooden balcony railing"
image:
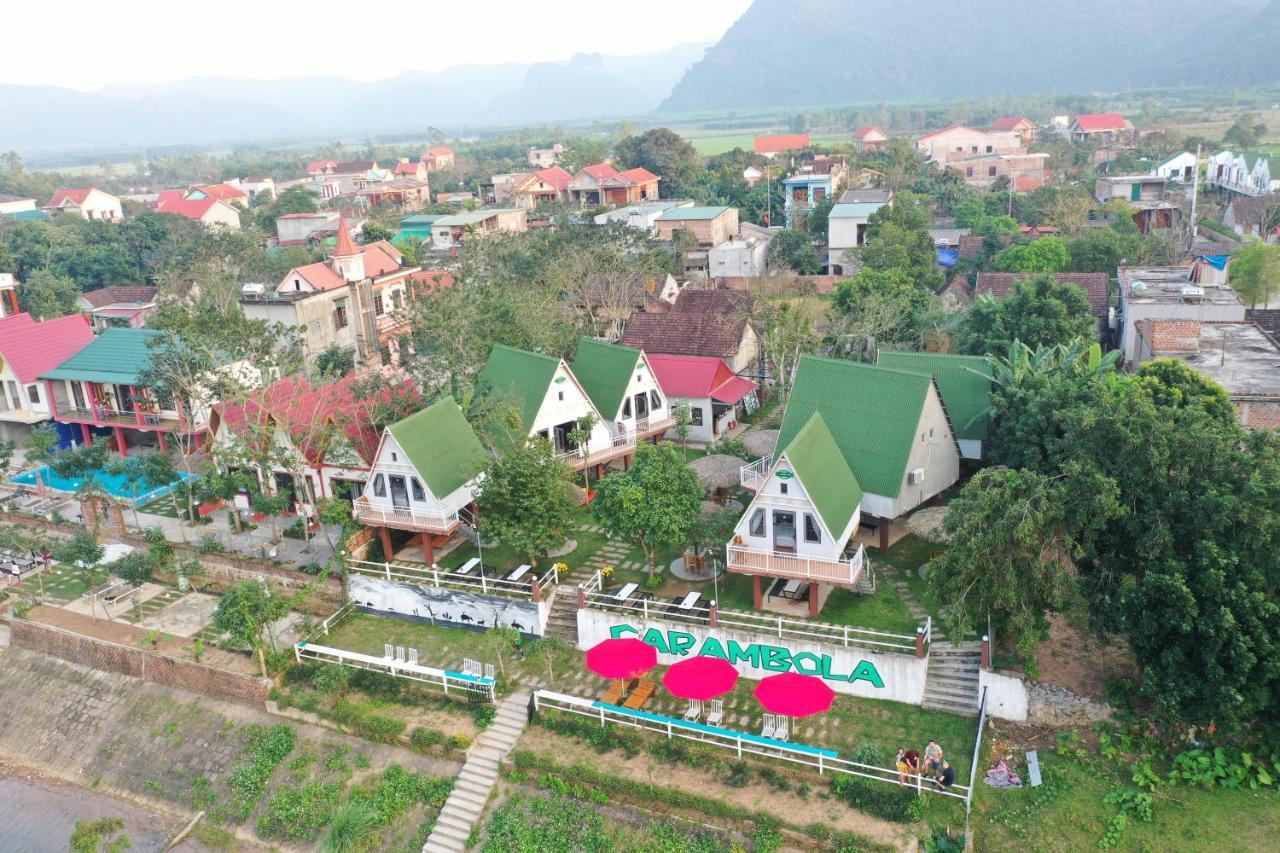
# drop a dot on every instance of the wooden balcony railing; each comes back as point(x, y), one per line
point(445, 521)
point(747, 561)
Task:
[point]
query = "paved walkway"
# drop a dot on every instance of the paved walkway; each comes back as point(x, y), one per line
point(472, 787)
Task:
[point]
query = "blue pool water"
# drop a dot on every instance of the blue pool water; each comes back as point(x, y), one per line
point(115, 484)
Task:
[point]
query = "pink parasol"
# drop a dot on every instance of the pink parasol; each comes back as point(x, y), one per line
point(794, 695)
point(700, 678)
point(621, 657)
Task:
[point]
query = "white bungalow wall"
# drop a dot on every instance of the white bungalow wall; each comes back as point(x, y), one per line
point(566, 401)
point(795, 499)
point(935, 450)
point(643, 381)
point(391, 459)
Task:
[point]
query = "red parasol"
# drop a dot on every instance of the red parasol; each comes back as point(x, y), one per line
point(700, 678)
point(794, 695)
point(621, 657)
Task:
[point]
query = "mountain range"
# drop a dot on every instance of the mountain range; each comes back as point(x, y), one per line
point(216, 110)
point(818, 52)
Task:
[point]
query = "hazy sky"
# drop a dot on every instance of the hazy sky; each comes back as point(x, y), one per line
point(83, 44)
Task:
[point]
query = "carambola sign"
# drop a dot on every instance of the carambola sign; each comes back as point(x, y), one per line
point(757, 655)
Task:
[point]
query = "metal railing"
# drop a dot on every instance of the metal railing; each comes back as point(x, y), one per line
point(399, 666)
point(750, 476)
point(741, 743)
point(1244, 188)
point(745, 560)
point(782, 627)
point(121, 417)
point(433, 522)
point(977, 748)
point(582, 456)
point(449, 579)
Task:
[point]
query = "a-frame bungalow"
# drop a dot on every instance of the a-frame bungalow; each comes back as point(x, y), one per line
point(964, 381)
point(625, 391)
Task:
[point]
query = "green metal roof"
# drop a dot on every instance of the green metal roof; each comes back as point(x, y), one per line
point(473, 217)
point(604, 370)
point(421, 219)
point(35, 215)
point(964, 381)
point(692, 213)
point(872, 413)
point(823, 472)
point(117, 356)
point(521, 376)
point(441, 445)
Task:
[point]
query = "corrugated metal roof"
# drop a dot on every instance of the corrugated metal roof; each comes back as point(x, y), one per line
point(441, 445)
point(520, 376)
point(691, 213)
point(872, 413)
point(604, 370)
point(117, 355)
point(824, 474)
point(964, 381)
point(856, 210)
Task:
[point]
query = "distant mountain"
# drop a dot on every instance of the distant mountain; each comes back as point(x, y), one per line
point(217, 110)
point(812, 52)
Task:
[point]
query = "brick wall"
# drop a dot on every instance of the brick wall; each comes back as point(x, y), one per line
point(1259, 414)
point(138, 663)
point(1175, 336)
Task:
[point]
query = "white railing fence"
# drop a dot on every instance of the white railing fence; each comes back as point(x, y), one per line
point(750, 476)
point(401, 663)
point(741, 743)
point(447, 578)
point(741, 558)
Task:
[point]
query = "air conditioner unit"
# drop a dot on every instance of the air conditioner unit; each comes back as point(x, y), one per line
point(916, 477)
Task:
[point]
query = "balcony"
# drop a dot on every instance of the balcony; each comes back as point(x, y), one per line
point(103, 416)
point(843, 572)
point(403, 518)
point(752, 476)
point(1242, 187)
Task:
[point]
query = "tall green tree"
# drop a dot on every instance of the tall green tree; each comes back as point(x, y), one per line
point(246, 612)
point(654, 504)
point(1255, 272)
point(793, 250)
point(526, 499)
point(47, 295)
point(1047, 254)
point(666, 154)
point(1039, 312)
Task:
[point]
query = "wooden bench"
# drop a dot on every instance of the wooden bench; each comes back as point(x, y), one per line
point(640, 695)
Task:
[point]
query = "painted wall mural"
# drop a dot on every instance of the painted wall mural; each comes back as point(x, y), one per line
point(443, 606)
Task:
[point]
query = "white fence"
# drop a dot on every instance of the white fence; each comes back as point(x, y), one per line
point(741, 743)
point(401, 663)
point(448, 579)
point(781, 627)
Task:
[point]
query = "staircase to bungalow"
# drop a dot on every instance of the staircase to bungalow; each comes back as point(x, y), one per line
point(471, 789)
point(952, 680)
point(563, 618)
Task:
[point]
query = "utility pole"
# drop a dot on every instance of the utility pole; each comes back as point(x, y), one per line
point(1195, 192)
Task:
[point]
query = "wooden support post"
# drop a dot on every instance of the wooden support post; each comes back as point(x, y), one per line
point(387, 553)
point(757, 593)
point(813, 599)
point(884, 534)
point(427, 551)
point(120, 445)
point(985, 660)
point(164, 445)
point(86, 434)
point(920, 642)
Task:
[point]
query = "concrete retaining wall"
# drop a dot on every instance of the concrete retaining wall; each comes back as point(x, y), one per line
point(854, 670)
point(1006, 695)
point(139, 663)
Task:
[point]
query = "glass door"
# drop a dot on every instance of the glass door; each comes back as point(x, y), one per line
point(784, 531)
point(399, 492)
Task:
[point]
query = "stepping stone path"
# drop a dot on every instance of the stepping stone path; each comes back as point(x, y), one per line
point(472, 787)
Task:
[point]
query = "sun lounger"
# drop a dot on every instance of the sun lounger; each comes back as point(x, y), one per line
point(465, 568)
point(518, 573)
point(690, 600)
point(640, 695)
point(623, 594)
point(613, 695)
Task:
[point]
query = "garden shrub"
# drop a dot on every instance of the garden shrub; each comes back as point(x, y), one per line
point(298, 813)
point(332, 679)
point(900, 805)
point(267, 748)
point(426, 740)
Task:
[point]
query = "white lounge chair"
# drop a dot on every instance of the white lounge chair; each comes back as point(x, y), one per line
point(716, 713)
point(770, 723)
point(780, 730)
point(694, 711)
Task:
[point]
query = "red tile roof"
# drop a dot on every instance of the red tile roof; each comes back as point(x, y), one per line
point(702, 322)
point(75, 196)
point(941, 131)
point(407, 168)
point(117, 293)
point(430, 280)
point(32, 348)
point(440, 149)
point(1009, 122)
point(1096, 286)
point(698, 377)
point(346, 246)
point(321, 165)
point(555, 176)
point(868, 130)
point(600, 171)
point(639, 175)
point(1097, 122)
point(223, 192)
point(189, 207)
point(781, 142)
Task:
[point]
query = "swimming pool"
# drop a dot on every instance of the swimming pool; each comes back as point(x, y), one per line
point(114, 484)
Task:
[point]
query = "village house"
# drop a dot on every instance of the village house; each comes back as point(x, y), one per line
point(1096, 287)
point(1254, 216)
point(1169, 293)
point(858, 441)
point(551, 403)
point(452, 231)
point(1228, 170)
point(1155, 208)
point(118, 305)
point(870, 138)
point(625, 391)
point(603, 184)
point(301, 229)
point(348, 301)
point(715, 396)
point(8, 295)
point(958, 141)
point(642, 216)
point(455, 197)
point(1239, 356)
point(1102, 128)
point(1180, 167)
point(713, 323)
point(402, 193)
point(1021, 126)
point(1025, 172)
point(438, 157)
point(815, 180)
point(16, 205)
point(752, 175)
point(324, 436)
point(406, 168)
point(964, 381)
point(98, 389)
point(527, 190)
point(743, 256)
point(710, 225)
point(771, 146)
point(255, 185)
point(544, 158)
point(207, 210)
point(331, 178)
point(423, 480)
point(27, 350)
point(88, 203)
point(416, 229)
point(847, 222)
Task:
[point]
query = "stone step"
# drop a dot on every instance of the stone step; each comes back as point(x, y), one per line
point(472, 786)
point(970, 675)
point(965, 697)
point(952, 708)
point(460, 824)
point(471, 800)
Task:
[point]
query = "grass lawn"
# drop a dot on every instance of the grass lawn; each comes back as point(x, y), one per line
point(883, 611)
point(61, 583)
point(1068, 813)
point(500, 559)
point(162, 505)
point(904, 559)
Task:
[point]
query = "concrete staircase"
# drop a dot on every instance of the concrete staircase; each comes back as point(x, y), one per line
point(563, 618)
point(471, 789)
point(952, 682)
